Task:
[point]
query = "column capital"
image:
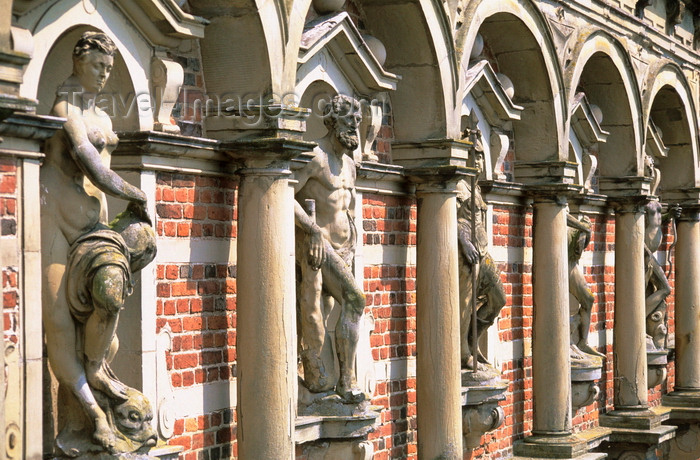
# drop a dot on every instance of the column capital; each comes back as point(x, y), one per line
point(432, 153)
point(438, 179)
point(260, 120)
point(625, 189)
point(690, 213)
point(546, 173)
point(687, 197)
point(552, 193)
point(265, 152)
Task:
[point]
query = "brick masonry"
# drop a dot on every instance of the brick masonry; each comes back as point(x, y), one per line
point(198, 301)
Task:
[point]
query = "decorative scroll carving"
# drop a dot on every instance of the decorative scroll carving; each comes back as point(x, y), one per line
point(166, 79)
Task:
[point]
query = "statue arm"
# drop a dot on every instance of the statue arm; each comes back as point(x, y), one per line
point(88, 158)
point(464, 237)
point(674, 213)
point(573, 222)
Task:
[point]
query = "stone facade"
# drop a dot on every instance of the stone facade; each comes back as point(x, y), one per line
point(585, 108)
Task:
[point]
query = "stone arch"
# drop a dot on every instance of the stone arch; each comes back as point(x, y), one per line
point(520, 40)
point(242, 50)
point(419, 49)
point(64, 22)
point(602, 68)
point(668, 104)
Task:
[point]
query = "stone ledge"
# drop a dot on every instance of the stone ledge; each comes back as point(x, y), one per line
point(311, 428)
point(647, 419)
point(576, 446)
point(651, 437)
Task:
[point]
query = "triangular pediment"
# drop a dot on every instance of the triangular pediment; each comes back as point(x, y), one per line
point(340, 38)
point(654, 143)
point(488, 92)
point(584, 124)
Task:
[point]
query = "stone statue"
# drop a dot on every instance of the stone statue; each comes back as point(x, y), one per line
point(490, 296)
point(657, 285)
point(581, 304)
point(325, 252)
point(86, 264)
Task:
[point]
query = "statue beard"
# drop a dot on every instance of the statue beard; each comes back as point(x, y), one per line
point(348, 139)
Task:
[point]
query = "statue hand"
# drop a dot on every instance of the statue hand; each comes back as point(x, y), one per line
point(469, 251)
point(139, 209)
point(316, 252)
point(675, 211)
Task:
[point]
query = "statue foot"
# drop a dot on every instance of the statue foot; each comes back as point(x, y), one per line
point(349, 393)
point(101, 380)
point(584, 347)
point(104, 435)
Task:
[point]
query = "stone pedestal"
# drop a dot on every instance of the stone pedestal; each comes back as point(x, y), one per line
point(584, 389)
point(480, 410)
point(266, 344)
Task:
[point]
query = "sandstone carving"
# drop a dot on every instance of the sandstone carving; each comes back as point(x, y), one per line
point(657, 285)
point(88, 265)
point(579, 236)
point(477, 269)
point(329, 297)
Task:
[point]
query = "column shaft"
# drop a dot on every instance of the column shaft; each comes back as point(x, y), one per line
point(265, 317)
point(688, 304)
point(551, 369)
point(629, 332)
point(437, 327)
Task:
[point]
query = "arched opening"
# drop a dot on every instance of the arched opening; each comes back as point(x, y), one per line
point(603, 85)
point(669, 116)
point(118, 98)
point(418, 52)
point(315, 98)
point(514, 51)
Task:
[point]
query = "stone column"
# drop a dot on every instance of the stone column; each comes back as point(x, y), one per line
point(629, 333)
point(688, 301)
point(438, 377)
point(266, 314)
point(550, 363)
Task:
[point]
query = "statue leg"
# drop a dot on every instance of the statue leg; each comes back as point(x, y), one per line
point(465, 312)
point(100, 330)
point(579, 289)
point(490, 286)
point(313, 331)
point(60, 331)
point(660, 282)
point(339, 281)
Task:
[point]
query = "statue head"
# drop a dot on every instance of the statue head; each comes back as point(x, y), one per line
point(138, 236)
point(93, 58)
point(133, 418)
point(342, 116)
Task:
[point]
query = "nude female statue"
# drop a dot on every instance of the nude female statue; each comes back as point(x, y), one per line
point(75, 177)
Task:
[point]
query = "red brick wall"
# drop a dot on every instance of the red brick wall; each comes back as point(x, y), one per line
point(8, 229)
point(198, 302)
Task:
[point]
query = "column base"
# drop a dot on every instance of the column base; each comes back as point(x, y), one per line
point(682, 398)
point(573, 446)
point(636, 433)
point(635, 419)
point(166, 452)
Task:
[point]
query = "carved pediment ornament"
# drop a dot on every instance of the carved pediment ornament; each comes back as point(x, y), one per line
point(562, 34)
